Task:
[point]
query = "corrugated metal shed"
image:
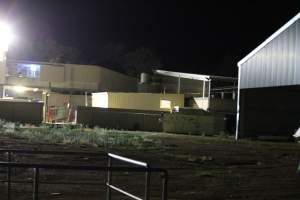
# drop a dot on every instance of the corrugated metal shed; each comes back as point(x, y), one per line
point(276, 62)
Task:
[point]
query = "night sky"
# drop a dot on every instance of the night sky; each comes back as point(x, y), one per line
point(185, 35)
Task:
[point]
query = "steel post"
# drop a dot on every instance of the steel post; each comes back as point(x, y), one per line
point(147, 185)
point(35, 193)
point(165, 186)
point(8, 176)
point(108, 192)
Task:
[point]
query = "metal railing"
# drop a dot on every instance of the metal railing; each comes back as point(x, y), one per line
point(143, 167)
point(148, 170)
point(11, 152)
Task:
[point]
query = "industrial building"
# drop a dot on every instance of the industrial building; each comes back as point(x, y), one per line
point(269, 85)
point(90, 94)
point(60, 87)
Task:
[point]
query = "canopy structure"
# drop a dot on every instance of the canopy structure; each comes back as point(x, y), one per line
point(200, 77)
point(206, 79)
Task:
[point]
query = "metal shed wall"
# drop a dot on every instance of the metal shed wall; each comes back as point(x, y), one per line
point(277, 63)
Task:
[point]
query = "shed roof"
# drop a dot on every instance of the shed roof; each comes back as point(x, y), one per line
point(269, 39)
point(200, 77)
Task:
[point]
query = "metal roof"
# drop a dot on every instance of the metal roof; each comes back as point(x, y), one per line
point(200, 77)
point(269, 39)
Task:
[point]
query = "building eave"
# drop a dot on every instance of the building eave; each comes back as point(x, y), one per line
point(269, 39)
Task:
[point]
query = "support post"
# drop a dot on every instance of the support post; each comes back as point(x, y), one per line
point(35, 193)
point(147, 185)
point(209, 90)
point(179, 85)
point(165, 186)
point(8, 176)
point(86, 99)
point(108, 191)
point(203, 90)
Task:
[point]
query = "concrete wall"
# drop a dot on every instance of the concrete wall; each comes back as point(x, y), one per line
point(24, 112)
point(118, 119)
point(269, 111)
point(138, 101)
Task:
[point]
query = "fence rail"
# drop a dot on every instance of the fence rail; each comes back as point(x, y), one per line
point(147, 169)
point(142, 167)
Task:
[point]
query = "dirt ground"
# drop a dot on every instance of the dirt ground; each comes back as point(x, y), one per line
point(199, 168)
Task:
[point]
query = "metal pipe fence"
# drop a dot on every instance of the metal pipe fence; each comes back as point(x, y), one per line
point(148, 171)
point(142, 167)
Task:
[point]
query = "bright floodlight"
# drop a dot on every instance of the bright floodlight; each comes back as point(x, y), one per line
point(6, 37)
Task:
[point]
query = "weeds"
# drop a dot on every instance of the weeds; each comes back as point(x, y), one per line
point(78, 135)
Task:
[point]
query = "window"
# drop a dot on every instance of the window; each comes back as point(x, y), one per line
point(28, 70)
point(165, 104)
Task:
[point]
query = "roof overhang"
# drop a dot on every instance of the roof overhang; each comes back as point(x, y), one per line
point(183, 75)
point(269, 39)
point(199, 77)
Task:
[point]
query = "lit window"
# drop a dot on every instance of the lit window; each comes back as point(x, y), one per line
point(28, 70)
point(165, 104)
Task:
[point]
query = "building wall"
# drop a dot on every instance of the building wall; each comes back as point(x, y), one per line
point(138, 101)
point(276, 64)
point(2, 72)
point(269, 79)
point(52, 73)
point(269, 111)
point(116, 82)
point(74, 77)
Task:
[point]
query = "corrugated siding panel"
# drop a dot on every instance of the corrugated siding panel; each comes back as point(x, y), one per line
point(277, 64)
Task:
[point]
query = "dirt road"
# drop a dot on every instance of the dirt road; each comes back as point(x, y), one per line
point(199, 168)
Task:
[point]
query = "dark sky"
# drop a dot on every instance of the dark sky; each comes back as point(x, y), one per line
point(204, 37)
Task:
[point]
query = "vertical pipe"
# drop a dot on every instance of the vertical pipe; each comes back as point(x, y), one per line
point(203, 90)
point(3, 91)
point(86, 99)
point(35, 193)
point(238, 105)
point(147, 185)
point(209, 88)
point(108, 191)
point(165, 186)
point(179, 85)
point(8, 176)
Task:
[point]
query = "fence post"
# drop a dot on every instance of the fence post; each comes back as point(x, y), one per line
point(8, 176)
point(147, 185)
point(165, 185)
point(35, 193)
point(108, 191)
